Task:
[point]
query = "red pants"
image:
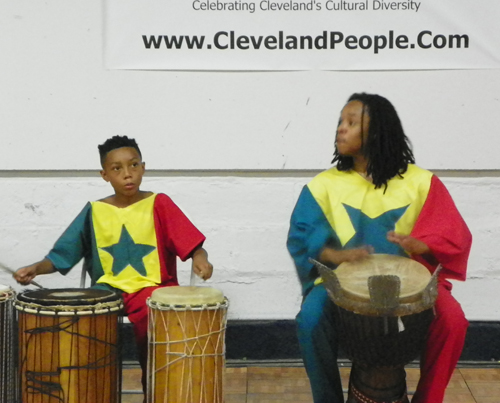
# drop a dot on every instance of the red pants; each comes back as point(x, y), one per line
point(444, 347)
point(137, 311)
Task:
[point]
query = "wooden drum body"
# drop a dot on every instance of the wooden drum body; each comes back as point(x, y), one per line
point(68, 346)
point(186, 345)
point(8, 379)
point(384, 309)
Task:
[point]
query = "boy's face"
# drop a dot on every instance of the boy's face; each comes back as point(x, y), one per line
point(350, 135)
point(123, 168)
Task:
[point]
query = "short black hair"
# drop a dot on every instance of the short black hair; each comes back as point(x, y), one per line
point(116, 142)
point(387, 148)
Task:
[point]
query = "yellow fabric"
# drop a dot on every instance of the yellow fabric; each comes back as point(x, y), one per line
point(332, 188)
point(138, 220)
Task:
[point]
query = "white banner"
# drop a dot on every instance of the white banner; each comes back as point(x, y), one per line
point(302, 34)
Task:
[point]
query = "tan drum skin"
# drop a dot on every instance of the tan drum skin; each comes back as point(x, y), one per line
point(186, 345)
point(349, 285)
point(353, 276)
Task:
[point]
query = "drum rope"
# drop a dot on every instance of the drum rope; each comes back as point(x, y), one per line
point(34, 379)
point(62, 327)
point(191, 350)
point(70, 310)
point(8, 389)
point(202, 307)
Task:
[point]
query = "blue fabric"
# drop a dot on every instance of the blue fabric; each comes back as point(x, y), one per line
point(373, 231)
point(318, 343)
point(308, 234)
point(76, 243)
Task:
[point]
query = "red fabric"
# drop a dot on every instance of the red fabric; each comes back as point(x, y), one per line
point(175, 235)
point(444, 346)
point(443, 229)
point(137, 311)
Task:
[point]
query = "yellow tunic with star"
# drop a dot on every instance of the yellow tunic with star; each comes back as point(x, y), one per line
point(126, 244)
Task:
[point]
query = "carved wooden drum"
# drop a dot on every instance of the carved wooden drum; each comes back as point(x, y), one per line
point(384, 309)
point(68, 346)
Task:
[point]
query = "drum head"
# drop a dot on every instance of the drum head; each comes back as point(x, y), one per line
point(68, 296)
point(4, 288)
point(178, 295)
point(353, 276)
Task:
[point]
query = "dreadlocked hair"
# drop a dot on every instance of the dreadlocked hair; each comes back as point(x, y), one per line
point(116, 142)
point(387, 148)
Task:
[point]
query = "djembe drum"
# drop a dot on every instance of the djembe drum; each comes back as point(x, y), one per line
point(186, 350)
point(384, 306)
point(8, 383)
point(68, 346)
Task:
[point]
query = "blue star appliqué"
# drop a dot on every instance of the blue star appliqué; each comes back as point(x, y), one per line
point(373, 231)
point(127, 252)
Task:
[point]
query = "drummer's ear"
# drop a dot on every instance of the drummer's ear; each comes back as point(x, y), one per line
point(103, 175)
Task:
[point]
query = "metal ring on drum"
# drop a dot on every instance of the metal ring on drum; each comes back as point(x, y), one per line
point(69, 345)
point(186, 345)
point(8, 371)
point(384, 306)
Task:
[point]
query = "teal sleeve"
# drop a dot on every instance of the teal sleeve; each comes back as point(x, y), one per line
point(309, 232)
point(74, 244)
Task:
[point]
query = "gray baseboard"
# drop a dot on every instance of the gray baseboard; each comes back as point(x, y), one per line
point(270, 341)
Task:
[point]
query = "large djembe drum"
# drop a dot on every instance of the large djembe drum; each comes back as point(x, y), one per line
point(8, 358)
point(186, 348)
point(68, 346)
point(384, 306)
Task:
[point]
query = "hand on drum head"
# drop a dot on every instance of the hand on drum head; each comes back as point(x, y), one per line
point(329, 255)
point(201, 266)
point(408, 243)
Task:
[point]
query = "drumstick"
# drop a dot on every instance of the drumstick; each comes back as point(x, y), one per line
point(3, 267)
point(192, 280)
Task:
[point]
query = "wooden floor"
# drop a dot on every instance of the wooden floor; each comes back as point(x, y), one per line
point(271, 384)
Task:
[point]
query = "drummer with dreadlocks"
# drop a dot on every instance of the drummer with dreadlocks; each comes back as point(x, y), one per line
point(376, 200)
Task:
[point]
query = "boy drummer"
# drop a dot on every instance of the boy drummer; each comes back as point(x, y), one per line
point(129, 240)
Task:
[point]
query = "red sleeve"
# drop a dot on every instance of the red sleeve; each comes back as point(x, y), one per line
point(180, 236)
point(443, 229)
point(176, 236)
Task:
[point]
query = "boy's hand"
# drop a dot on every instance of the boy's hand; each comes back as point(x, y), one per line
point(329, 255)
point(200, 265)
point(408, 243)
point(25, 275)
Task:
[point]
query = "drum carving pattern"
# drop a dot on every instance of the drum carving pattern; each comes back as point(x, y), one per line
point(68, 346)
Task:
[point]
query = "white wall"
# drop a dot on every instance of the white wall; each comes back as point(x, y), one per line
point(245, 219)
point(54, 89)
point(57, 103)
